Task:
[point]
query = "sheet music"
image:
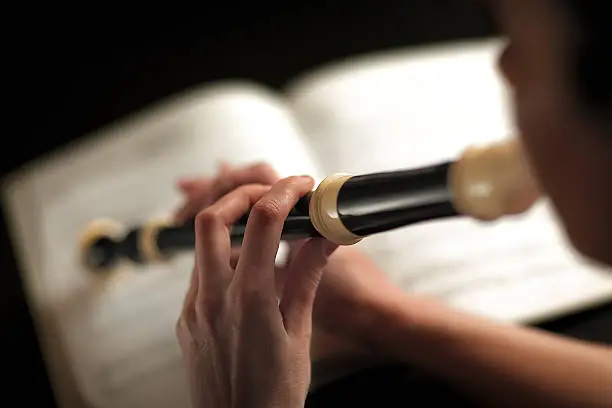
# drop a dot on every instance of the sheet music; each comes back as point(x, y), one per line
point(412, 108)
point(117, 334)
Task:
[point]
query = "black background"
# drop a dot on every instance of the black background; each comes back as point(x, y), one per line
point(71, 69)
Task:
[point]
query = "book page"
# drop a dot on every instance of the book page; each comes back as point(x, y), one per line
point(411, 108)
point(110, 341)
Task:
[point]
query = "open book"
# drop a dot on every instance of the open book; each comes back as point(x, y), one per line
point(110, 342)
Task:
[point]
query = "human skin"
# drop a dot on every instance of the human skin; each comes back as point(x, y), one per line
point(569, 147)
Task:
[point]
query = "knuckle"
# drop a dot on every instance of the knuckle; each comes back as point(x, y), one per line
point(207, 220)
point(252, 298)
point(242, 291)
point(247, 192)
point(268, 210)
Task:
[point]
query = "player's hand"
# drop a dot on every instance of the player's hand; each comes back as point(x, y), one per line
point(242, 347)
point(352, 288)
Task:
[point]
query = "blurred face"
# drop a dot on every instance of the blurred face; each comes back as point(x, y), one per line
point(570, 151)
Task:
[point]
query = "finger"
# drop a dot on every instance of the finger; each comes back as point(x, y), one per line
point(224, 172)
point(188, 314)
point(222, 181)
point(301, 284)
point(213, 247)
point(259, 173)
point(223, 168)
point(187, 184)
point(192, 291)
point(255, 269)
point(198, 195)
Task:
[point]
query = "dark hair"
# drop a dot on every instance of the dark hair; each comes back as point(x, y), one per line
point(592, 52)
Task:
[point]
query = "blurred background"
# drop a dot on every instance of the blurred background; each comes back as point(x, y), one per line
point(74, 69)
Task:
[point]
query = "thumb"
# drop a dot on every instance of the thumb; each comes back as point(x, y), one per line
point(301, 284)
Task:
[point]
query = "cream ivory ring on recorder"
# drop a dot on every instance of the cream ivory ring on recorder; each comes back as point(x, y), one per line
point(324, 211)
point(491, 181)
point(147, 240)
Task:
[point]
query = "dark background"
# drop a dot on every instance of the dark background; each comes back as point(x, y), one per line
point(74, 70)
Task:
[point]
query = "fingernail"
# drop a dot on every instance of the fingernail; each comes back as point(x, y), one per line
point(307, 177)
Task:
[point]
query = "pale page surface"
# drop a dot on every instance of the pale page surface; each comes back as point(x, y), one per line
point(113, 340)
point(406, 109)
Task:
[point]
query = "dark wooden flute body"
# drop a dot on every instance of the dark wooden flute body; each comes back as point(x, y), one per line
point(485, 183)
